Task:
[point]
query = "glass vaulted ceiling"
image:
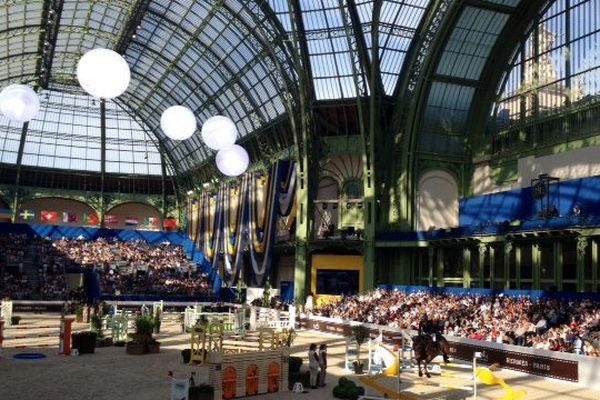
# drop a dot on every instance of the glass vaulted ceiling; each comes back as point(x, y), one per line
point(230, 57)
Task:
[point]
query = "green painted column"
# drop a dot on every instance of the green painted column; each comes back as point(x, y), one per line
point(536, 258)
point(582, 248)
point(431, 262)
point(508, 247)
point(440, 267)
point(467, 267)
point(482, 249)
point(558, 264)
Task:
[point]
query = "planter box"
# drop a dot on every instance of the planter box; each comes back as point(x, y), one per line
point(135, 348)
point(85, 343)
point(153, 348)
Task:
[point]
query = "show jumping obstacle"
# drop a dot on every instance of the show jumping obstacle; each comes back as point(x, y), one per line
point(64, 336)
point(6, 308)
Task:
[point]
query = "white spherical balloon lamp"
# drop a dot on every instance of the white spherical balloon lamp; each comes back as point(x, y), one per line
point(178, 122)
point(233, 160)
point(219, 132)
point(19, 103)
point(103, 73)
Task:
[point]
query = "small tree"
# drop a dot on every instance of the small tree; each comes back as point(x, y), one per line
point(360, 334)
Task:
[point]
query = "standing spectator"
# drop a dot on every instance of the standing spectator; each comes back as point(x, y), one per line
point(322, 364)
point(308, 306)
point(313, 365)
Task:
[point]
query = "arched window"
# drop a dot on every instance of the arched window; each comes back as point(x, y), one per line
point(352, 189)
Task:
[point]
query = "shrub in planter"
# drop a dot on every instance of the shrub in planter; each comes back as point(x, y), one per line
point(104, 342)
point(347, 389)
point(142, 339)
point(79, 313)
point(14, 320)
point(153, 347)
point(201, 392)
point(186, 354)
point(84, 342)
point(294, 364)
point(119, 343)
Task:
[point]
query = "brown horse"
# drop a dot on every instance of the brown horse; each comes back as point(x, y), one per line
point(426, 350)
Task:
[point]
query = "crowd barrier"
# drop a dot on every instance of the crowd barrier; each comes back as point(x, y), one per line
point(579, 369)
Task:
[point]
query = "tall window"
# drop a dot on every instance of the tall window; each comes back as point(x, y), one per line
point(556, 67)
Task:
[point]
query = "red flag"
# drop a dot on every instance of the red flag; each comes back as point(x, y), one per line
point(49, 216)
point(170, 223)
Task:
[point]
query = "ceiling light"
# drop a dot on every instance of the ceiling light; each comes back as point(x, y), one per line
point(103, 73)
point(178, 122)
point(219, 132)
point(232, 161)
point(19, 103)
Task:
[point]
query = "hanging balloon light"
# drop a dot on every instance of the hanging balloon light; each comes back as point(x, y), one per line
point(103, 73)
point(19, 103)
point(219, 132)
point(178, 122)
point(233, 160)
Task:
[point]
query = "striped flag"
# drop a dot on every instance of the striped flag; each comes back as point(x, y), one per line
point(91, 219)
point(6, 213)
point(111, 219)
point(27, 214)
point(69, 217)
point(131, 221)
point(152, 222)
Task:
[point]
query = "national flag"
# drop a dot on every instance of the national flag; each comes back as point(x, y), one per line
point(152, 221)
point(111, 220)
point(131, 221)
point(91, 219)
point(69, 217)
point(27, 214)
point(170, 223)
point(6, 213)
point(49, 216)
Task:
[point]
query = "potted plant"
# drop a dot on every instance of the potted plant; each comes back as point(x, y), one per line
point(14, 320)
point(358, 366)
point(79, 313)
point(186, 354)
point(84, 342)
point(360, 334)
point(142, 339)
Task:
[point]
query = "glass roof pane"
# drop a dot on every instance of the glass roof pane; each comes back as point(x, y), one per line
point(471, 42)
point(398, 23)
point(66, 135)
point(85, 25)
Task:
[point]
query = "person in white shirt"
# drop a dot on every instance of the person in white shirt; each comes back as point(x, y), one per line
point(313, 365)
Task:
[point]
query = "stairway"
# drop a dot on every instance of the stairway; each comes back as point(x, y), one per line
point(31, 268)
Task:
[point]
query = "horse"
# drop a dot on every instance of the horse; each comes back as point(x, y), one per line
point(426, 350)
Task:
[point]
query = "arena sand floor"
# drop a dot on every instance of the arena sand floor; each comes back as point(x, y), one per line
point(111, 374)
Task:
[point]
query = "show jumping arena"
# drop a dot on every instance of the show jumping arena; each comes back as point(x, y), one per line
point(112, 374)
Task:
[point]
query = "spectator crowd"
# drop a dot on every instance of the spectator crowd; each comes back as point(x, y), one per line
point(124, 267)
point(545, 323)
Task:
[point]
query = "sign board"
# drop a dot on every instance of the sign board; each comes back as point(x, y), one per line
point(551, 367)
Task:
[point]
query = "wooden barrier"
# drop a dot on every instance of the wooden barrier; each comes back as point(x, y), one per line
point(64, 336)
point(6, 309)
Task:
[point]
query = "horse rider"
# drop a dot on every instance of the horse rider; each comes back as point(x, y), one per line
point(428, 328)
